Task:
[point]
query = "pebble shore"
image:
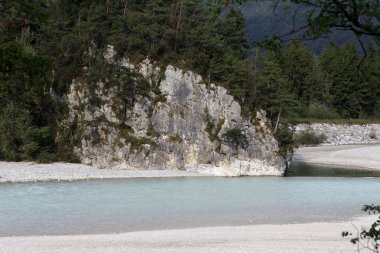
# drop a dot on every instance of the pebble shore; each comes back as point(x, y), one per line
point(287, 238)
point(21, 172)
point(345, 156)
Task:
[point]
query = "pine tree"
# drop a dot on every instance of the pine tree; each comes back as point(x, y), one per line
point(297, 62)
point(273, 88)
point(340, 68)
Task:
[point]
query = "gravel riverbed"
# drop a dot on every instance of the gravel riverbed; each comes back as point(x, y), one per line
point(18, 172)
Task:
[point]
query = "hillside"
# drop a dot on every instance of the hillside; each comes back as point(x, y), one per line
point(49, 47)
point(262, 22)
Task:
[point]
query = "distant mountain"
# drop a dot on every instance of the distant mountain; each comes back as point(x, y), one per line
point(262, 22)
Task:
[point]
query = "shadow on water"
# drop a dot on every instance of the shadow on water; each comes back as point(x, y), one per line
point(297, 169)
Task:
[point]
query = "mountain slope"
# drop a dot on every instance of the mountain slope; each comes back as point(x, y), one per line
point(263, 21)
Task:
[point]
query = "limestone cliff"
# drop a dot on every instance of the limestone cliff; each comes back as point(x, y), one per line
point(184, 125)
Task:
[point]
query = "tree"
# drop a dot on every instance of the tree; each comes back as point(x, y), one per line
point(369, 90)
point(24, 79)
point(316, 88)
point(16, 142)
point(16, 16)
point(273, 88)
point(340, 67)
point(297, 62)
point(360, 17)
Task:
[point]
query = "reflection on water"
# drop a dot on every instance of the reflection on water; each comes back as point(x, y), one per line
point(306, 170)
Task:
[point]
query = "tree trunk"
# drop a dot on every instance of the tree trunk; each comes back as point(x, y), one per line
point(278, 121)
point(178, 26)
point(125, 8)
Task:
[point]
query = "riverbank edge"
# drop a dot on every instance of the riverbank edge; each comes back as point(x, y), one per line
point(337, 166)
point(340, 156)
point(310, 237)
point(30, 172)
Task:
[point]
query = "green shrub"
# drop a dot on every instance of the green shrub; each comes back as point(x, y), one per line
point(212, 129)
point(309, 137)
point(159, 98)
point(319, 111)
point(46, 157)
point(286, 143)
point(16, 142)
point(175, 138)
point(235, 138)
point(152, 132)
point(43, 136)
point(64, 152)
point(136, 143)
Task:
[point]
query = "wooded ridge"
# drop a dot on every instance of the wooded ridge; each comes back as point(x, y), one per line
point(46, 44)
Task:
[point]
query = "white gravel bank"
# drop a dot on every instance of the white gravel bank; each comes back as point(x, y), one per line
point(310, 238)
point(32, 172)
point(347, 156)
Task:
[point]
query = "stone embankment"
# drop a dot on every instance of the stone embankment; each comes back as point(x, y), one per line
point(343, 134)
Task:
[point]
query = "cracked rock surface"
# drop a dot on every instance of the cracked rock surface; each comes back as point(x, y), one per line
point(188, 127)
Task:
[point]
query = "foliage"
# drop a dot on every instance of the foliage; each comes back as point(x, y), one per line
point(24, 79)
point(130, 86)
point(367, 239)
point(15, 139)
point(309, 137)
point(360, 17)
point(212, 129)
point(235, 138)
point(302, 85)
point(272, 87)
point(318, 111)
point(175, 138)
point(46, 157)
point(152, 132)
point(286, 144)
point(138, 142)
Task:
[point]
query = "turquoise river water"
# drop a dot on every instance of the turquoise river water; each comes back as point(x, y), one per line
point(112, 206)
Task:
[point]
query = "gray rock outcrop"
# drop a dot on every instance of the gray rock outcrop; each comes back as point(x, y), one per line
point(188, 126)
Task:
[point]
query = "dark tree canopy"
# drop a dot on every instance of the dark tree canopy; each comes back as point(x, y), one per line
point(359, 16)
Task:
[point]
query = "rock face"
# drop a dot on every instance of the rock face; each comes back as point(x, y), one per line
point(189, 126)
point(344, 134)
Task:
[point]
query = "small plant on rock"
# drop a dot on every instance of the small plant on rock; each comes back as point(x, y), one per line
point(235, 138)
point(175, 138)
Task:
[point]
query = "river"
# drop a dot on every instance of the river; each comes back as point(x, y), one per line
point(122, 205)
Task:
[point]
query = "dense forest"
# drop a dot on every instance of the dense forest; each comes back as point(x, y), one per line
point(262, 22)
point(46, 44)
